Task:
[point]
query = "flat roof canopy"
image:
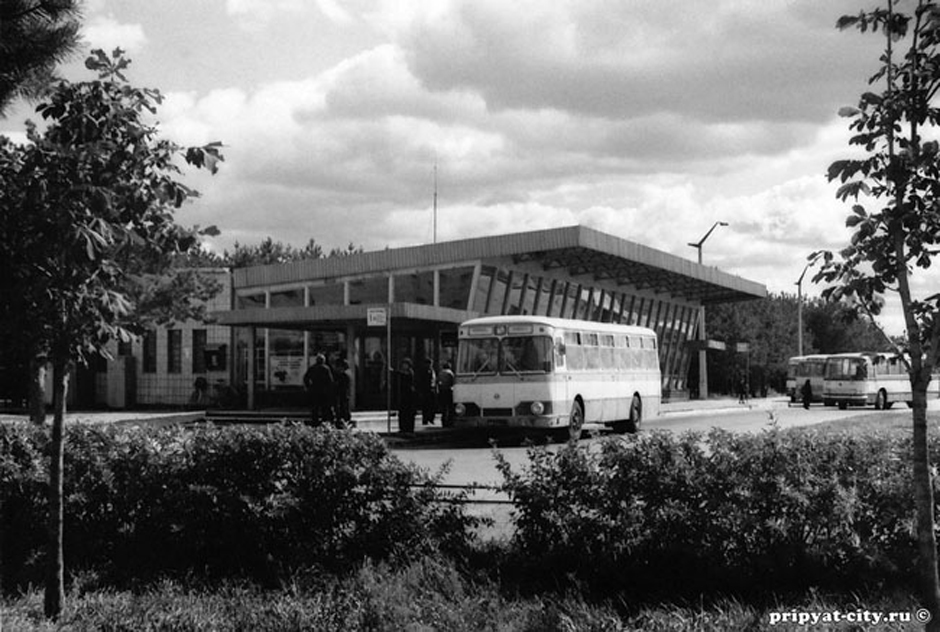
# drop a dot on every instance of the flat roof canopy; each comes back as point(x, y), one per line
point(576, 249)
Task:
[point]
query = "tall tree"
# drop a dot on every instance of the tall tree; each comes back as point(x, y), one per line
point(99, 188)
point(35, 36)
point(895, 187)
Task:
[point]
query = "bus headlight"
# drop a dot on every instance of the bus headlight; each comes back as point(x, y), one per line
point(537, 408)
point(460, 409)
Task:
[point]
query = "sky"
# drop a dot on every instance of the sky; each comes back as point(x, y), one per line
point(650, 120)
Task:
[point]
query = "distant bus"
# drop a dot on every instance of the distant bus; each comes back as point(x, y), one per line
point(869, 378)
point(802, 368)
point(555, 374)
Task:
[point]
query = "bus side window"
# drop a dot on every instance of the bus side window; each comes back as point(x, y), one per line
point(559, 352)
point(574, 351)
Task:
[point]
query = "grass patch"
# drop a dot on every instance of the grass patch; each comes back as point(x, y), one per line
point(890, 422)
point(429, 594)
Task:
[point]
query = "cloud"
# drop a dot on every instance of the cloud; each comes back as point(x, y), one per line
point(107, 33)
point(256, 15)
point(720, 61)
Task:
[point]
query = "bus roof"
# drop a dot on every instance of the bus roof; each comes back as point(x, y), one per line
point(811, 357)
point(865, 354)
point(560, 323)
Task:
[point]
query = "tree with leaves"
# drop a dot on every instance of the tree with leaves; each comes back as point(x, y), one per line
point(894, 185)
point(35, 36)
point(88, 228)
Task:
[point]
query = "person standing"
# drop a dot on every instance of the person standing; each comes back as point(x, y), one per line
point(426, 390)
point(406, 397)
point(318, 381)
point(343, 416)
point(445, 394)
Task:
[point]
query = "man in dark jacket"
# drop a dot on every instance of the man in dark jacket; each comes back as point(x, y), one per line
point(426, 390)
point(318, 381)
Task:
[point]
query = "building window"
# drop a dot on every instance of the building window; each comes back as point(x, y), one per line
point(287, 298)
point(125, 348)
point(455, 287)
point(199, 351)
point(328, 293)
point(250, 301)
point(174, 350)
point(368, 291)
point(484, 285)
point(149, 348)
point(415, 288)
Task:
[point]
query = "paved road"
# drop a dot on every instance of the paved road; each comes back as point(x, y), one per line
point(471, 461)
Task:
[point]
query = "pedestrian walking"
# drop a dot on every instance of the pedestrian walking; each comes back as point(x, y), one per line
point(318, 380)
point(807, 394)
point(426, 391)
point(406, 397)
point(445, 394)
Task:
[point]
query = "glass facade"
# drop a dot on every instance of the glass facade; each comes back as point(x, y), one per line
point(493, 287)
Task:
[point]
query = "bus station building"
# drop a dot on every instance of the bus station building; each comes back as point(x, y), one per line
point(345, 307)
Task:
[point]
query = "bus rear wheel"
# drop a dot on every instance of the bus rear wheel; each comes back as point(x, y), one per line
point(631, 424)
point(881, 400)
point(636, 415)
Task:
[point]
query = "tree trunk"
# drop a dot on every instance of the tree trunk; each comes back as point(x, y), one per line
point(37, 389)
point(55, 576)
point(924, 507)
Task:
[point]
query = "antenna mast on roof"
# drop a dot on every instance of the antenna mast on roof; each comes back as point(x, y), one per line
point(434, 207)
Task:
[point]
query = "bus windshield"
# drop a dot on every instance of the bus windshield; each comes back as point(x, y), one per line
point(530, 354)
point(512, 355)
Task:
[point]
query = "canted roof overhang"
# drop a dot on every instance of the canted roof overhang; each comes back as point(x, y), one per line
point(577, 250)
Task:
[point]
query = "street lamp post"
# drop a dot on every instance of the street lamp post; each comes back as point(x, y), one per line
point(799, 311)
point(702, 357)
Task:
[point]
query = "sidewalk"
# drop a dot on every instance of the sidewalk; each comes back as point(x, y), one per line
point(369, 421)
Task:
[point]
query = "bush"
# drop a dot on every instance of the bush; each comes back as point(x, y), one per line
point(252, 502)
point(667, 515)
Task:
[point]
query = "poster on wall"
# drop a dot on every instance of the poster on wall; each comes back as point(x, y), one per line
point(287, 370)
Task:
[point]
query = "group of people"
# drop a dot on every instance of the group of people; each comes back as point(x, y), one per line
point(328, 389)
point(420, 389)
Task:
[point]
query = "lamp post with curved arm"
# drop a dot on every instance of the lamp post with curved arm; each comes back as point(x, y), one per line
point(702, 357)
point(799, 311)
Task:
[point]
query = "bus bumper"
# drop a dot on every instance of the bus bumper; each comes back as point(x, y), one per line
point(510, 422)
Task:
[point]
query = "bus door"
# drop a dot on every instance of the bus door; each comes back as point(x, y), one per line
point(845, 378)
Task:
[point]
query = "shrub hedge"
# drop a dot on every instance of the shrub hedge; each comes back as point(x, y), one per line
point(667, 515)
point(657, 516)
point(250, 502)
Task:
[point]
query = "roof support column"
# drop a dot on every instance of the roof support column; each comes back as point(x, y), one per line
point(251, 368)
point(702, 356)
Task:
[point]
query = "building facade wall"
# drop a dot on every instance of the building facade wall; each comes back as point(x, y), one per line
point(160, 368)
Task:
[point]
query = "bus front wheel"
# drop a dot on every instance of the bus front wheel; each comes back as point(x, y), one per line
point(576, 421)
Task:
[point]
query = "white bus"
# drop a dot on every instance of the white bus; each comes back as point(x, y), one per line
point(555, 374)
point(858, 379)
point(802, 368)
